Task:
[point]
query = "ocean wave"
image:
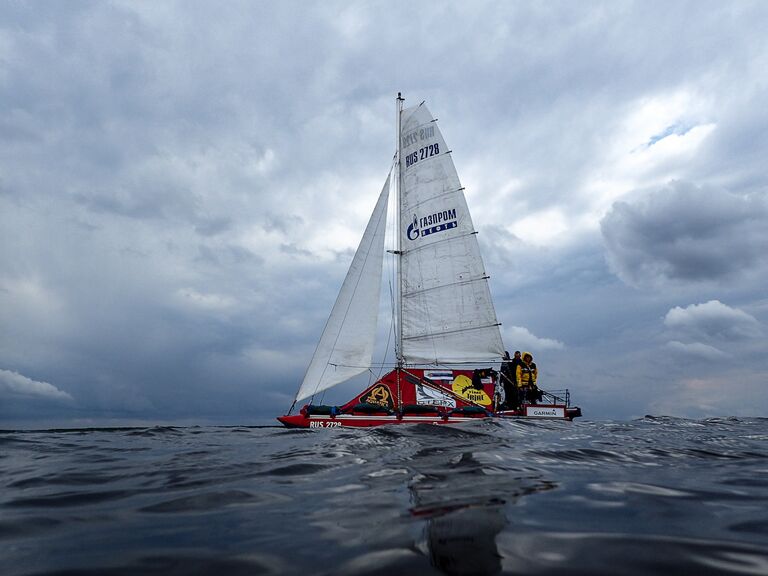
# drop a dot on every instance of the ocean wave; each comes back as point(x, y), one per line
point(653, 495)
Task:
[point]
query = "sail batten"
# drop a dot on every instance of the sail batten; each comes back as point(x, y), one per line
point(436, 241)
point(433, 334)
point(447, 192)
point(457, 283)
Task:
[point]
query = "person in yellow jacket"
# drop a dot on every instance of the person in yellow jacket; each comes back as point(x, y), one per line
point(525, 376)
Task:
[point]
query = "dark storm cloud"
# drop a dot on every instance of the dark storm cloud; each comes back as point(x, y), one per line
point(685, 233)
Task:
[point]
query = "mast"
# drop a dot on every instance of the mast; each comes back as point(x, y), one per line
point(398, 235)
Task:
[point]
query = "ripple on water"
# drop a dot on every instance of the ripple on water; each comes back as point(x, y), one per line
point(303, 469)
point(205, 501)
point(597, 554)
point(183, 565)
point(66, 499)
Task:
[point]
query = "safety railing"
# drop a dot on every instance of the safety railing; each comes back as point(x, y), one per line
point(556, 397)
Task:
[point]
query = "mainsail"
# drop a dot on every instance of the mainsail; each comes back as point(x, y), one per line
point(346, 346)
point(447, 314)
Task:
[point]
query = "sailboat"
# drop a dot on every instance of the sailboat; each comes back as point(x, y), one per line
point(447, 337)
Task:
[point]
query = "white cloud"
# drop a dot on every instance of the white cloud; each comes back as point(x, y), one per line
point(541, 228)
point(713, 320)
point(696, 349)
point(213, 302)
point(17, 384)
point(650, 145)
point(522, 339)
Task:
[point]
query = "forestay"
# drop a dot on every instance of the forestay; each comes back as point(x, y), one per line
point(447, 313)
point(346, 345)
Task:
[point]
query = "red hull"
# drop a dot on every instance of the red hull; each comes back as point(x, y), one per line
point(362, 421)
point(417, 396)
point(367, 421)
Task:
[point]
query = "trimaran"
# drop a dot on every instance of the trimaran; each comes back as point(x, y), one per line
point(447, 338)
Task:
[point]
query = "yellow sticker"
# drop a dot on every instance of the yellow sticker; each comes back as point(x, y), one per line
point(462, 386)
point(378, 395)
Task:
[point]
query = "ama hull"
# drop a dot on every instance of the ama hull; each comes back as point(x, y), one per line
point(537, 412)
point(363, 421)
point(415, 396)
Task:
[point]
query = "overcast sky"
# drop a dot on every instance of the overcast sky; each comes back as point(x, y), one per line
point(182, 186)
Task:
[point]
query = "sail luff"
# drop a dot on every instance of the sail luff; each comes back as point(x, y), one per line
point(346, 346)
point(398, 236)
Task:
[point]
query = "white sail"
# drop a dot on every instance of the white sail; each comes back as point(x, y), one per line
point(447, 314)
point(346, 346)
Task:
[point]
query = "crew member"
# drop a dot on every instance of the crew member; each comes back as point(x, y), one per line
point(510, 380)
point(526, 374)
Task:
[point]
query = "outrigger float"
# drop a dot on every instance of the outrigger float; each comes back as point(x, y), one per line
point(443, 311)
point(428, 397)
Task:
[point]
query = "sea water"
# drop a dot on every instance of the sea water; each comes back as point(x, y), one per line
point(650, 496)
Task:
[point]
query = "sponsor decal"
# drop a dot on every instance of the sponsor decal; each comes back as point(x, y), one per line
point(432, 223)
point(427, 396)
point(379, 394)
point(462, 386)
point(545, 412)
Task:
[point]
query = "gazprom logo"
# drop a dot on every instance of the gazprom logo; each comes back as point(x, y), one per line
point(432, 224)
point(413, 229)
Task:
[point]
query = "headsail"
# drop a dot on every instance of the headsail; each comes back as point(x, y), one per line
point(447, 312)
point(346, 346)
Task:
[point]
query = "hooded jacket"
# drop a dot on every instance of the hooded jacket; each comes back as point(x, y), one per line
point(526, 372)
